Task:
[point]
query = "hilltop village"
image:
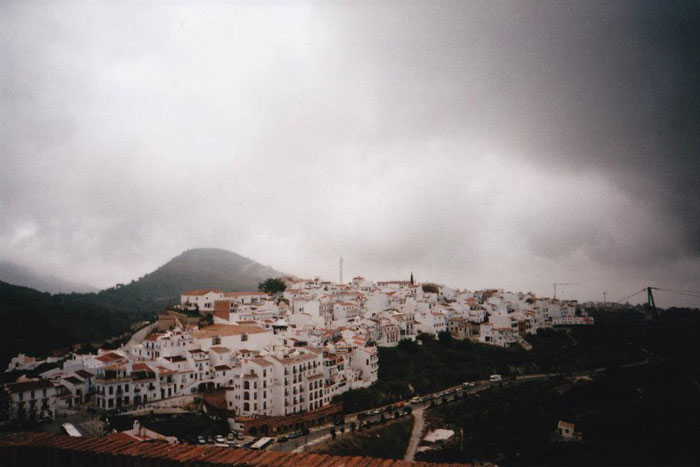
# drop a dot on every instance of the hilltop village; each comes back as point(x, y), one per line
point(275, 361)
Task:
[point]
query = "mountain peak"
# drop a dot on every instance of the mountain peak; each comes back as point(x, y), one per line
point(197, 268)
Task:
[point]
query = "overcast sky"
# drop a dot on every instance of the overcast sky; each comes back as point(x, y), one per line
point(476, 144)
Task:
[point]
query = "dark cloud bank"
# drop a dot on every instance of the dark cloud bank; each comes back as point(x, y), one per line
point(509, 144)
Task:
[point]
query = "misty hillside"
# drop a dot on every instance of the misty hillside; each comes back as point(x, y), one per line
point(16, 274)
point(194, 269)
point(36, 323)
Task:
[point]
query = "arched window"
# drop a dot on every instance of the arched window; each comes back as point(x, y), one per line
point(246, 406)
point(246, 385)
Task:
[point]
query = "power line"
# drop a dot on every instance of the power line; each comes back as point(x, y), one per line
point(630, 296)
point(680, 293)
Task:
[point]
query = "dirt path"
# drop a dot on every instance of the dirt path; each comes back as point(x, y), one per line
point(416, 435)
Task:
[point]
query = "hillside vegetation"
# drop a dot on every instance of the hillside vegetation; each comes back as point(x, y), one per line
point(194, 269)
point(36, 323)
point(411, 369)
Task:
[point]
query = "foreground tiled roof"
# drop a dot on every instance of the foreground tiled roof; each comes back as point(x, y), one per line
point(51, 449)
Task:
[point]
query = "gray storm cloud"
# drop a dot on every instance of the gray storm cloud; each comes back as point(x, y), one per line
point(479, 144)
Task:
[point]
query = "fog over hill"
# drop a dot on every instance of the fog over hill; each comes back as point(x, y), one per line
point(18, 274)
point(196, 269)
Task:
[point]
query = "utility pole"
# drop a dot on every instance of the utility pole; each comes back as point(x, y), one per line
point(604, 294)
point(651, 304)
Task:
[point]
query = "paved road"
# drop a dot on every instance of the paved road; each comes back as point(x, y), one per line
point(141, 334)
point(416, 435)
point(449, 395)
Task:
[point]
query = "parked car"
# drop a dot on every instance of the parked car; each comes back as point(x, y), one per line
point(210, 440)
point(220, 439)
point(233, 444)
point(339, 421)
point(230, 437)
point(295, 435)
point(416, 400)
point(282, 439)
point(201, 440)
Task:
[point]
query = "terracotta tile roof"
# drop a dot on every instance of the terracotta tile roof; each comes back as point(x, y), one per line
point(100, 451)
point(261, 361)
point(109, 357)
point(227, 330)
point(84, 374)
point(201, 292)
point(141, 367)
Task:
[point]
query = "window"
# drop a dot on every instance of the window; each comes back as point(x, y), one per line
point(246, 385)
point(246, 406)
point(246, 395)
point(244, 337)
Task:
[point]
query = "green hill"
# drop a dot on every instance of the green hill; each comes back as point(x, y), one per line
point(36, 323)
point(194, 269)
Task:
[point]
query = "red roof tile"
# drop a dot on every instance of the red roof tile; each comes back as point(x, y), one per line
point(179, 453)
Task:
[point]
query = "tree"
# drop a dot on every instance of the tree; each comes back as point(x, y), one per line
point(430, 288)
point(333, 435)
point(445, 337)
point(272, 286)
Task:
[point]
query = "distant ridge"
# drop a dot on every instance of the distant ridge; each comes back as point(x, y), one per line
point(17, 274)
point(37, 323)
point(197, 268)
